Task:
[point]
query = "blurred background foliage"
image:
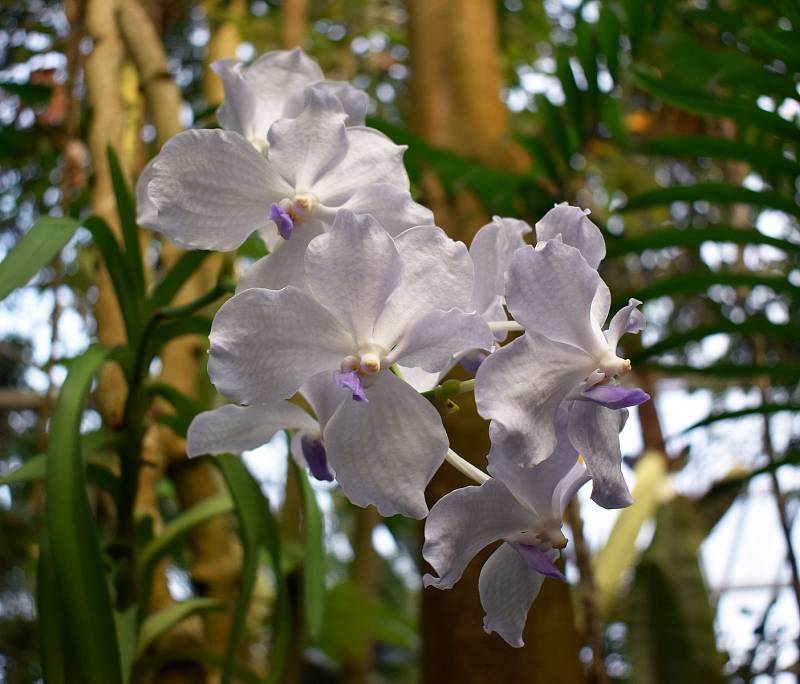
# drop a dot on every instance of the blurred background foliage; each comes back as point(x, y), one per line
point(674, 121)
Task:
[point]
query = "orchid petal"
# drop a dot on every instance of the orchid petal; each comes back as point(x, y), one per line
point(434, 339)
point(386, 451)
point(594, 432)
point(463, 522)
point(146, 211)
point(627, 320)
point(575, 228)
point(211, 189)
point(256, 95)
point(353, 270)
point(324, 395)
point(266, 344)
point(391, 205)
point(371, 157)
point(519, 388)
point(355, 102)
point(437, 274)
point(547, 487)
point(234, 429)
point(307, 147)
point(491, 251)
point(552, 290)
point(508, 587)
point(285, 265)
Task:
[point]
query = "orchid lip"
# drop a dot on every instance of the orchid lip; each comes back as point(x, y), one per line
point(283, 219)
point(538, 560)
point(351, 380)
point(316, 458)
point(615, 397)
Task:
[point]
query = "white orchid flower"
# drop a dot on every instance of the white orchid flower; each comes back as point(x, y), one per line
point(210, 189)
point(373, 301)
point(524, 508)
point(272, 88)
point(562, 303)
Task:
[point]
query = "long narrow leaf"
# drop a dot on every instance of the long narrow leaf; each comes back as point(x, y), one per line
point(183, 269)
point(165, 619)
point(77, 559)
point(765, 409)
point(732, 108)
point(694, 237)
point(120, 273)
point(719, 148)
point(256, 525)
point(176, 529)
point(37, 248)
point(313, 556)
point(127, 221)
point(721, 193)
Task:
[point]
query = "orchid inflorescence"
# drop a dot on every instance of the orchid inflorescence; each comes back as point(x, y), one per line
point(363, 304)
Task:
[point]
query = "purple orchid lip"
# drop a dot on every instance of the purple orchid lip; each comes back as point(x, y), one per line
point(351, 380)
point(472, 361)
point(282, 219)
point(614, 397)
point(538, 560)
point(316, 458)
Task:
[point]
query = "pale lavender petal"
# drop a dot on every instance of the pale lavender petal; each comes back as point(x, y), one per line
point(539, 560)
point(385, 452)
point(316, 458)
point(507, 587)
point(594, 432)
point(627, 320)
point(265, 344)
point(282, 220)
point(553, 291)
point(351, 380)
point(491, 251)
point(575, 228)
point(463, 522)
point(353, 270)
point(519, 388)
point(615, 397)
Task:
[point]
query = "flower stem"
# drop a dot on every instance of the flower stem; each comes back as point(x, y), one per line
point(507, 326)
point(465, 467)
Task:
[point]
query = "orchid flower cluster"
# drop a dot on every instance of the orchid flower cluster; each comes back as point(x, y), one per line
point(363, 304)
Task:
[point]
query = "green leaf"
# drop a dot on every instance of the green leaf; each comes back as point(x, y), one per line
point(29, 93)
point(257, 526)
point(183, 269)
point(722, 193)
point(154, 661)
point(692, 238)
point(698, 282)
point(741, 111)
point(608, 35)
point(765, 409)
point(54, 639)
point(168, 330)
point(175, 530)
point(572, 94)
point(127, 221)
point(72, 532)
point(185, 408)
point(313, 556)
point(165, 619)
point(37, 248)
point(753, 327)
point(757, 156)
point(122, 279)
point(779, 373)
